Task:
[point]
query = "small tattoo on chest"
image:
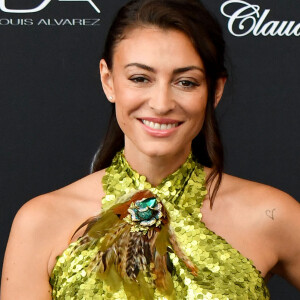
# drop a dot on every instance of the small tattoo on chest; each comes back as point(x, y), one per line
point(270, 213)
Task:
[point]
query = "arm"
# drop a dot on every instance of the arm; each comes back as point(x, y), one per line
point(25, 275)
point(286, 239)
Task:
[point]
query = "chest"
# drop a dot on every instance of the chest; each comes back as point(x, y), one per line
point(222, 271)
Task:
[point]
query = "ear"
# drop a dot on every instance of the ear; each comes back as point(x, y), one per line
point(107, 81)
point(219, 89)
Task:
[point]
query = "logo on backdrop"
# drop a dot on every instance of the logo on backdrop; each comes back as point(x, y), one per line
point(47, 22)
point(245, 19)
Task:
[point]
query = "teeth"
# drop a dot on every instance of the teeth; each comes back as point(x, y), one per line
point(159, 126)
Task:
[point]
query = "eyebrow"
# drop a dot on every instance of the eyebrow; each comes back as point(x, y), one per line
point(176, 71)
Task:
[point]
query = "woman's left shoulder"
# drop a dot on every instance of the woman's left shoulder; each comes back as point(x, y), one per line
point(259, 195)
point(276, 216)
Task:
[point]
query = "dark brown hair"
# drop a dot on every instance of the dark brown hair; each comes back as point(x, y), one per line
point(194, 20)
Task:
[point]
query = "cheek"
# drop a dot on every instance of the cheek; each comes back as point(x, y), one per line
point(123, 103)
point(121, 115)
point(197, 115)
point(197, 109)
point(127, 104)
point(125, 108)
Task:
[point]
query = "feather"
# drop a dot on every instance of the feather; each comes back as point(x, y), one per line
point(113, 234)
point(133, 239)
point(121, 252)
point(105, 222)
point(132, 289)
point(177, 250)
point(132, 267)
point(113, 279)
point(147, 291)
point(162, 240)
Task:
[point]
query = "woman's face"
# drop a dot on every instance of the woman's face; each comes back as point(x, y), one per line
point(159, 88)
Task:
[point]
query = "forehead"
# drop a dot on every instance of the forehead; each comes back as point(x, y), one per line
point(156, 47)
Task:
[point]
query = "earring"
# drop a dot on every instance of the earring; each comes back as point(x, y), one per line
point(110, 98)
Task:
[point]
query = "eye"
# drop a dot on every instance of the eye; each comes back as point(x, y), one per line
point(139, 79)
point(187, 83)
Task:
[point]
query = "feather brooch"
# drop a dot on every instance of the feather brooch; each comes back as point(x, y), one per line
point(134, 239)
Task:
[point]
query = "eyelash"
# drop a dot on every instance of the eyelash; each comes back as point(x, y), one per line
point(191, 84)
point(144, 80)
point(139, 79)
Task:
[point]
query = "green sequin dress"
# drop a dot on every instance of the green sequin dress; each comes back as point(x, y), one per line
point(223, 272)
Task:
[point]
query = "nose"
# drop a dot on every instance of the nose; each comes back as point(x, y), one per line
point(161, 100)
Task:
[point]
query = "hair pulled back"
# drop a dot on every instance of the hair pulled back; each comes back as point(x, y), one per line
point(193, 19)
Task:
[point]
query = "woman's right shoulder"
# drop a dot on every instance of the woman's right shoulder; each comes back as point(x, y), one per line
point(65, 205)
point(50, 219)
point(41, 230)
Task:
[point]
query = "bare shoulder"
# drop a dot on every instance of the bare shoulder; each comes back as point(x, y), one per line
point(65, 205)
point(263, 205)
point(274, 203)
point(272, 214)
point(42, 228)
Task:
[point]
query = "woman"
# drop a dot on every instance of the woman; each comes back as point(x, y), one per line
point(163, 70)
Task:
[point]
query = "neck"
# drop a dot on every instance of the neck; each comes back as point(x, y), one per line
point(155, 168)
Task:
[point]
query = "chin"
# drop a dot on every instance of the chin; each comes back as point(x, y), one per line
point(162, 149)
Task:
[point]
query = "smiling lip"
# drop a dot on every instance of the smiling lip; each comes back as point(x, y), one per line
point(160, 127)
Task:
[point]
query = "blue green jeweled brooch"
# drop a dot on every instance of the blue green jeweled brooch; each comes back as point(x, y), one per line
point(144, 213)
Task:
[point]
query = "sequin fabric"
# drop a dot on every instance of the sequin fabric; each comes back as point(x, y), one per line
point(223, 272)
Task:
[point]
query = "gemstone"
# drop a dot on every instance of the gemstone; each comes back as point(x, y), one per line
point(149, 202)
point(145, 215)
